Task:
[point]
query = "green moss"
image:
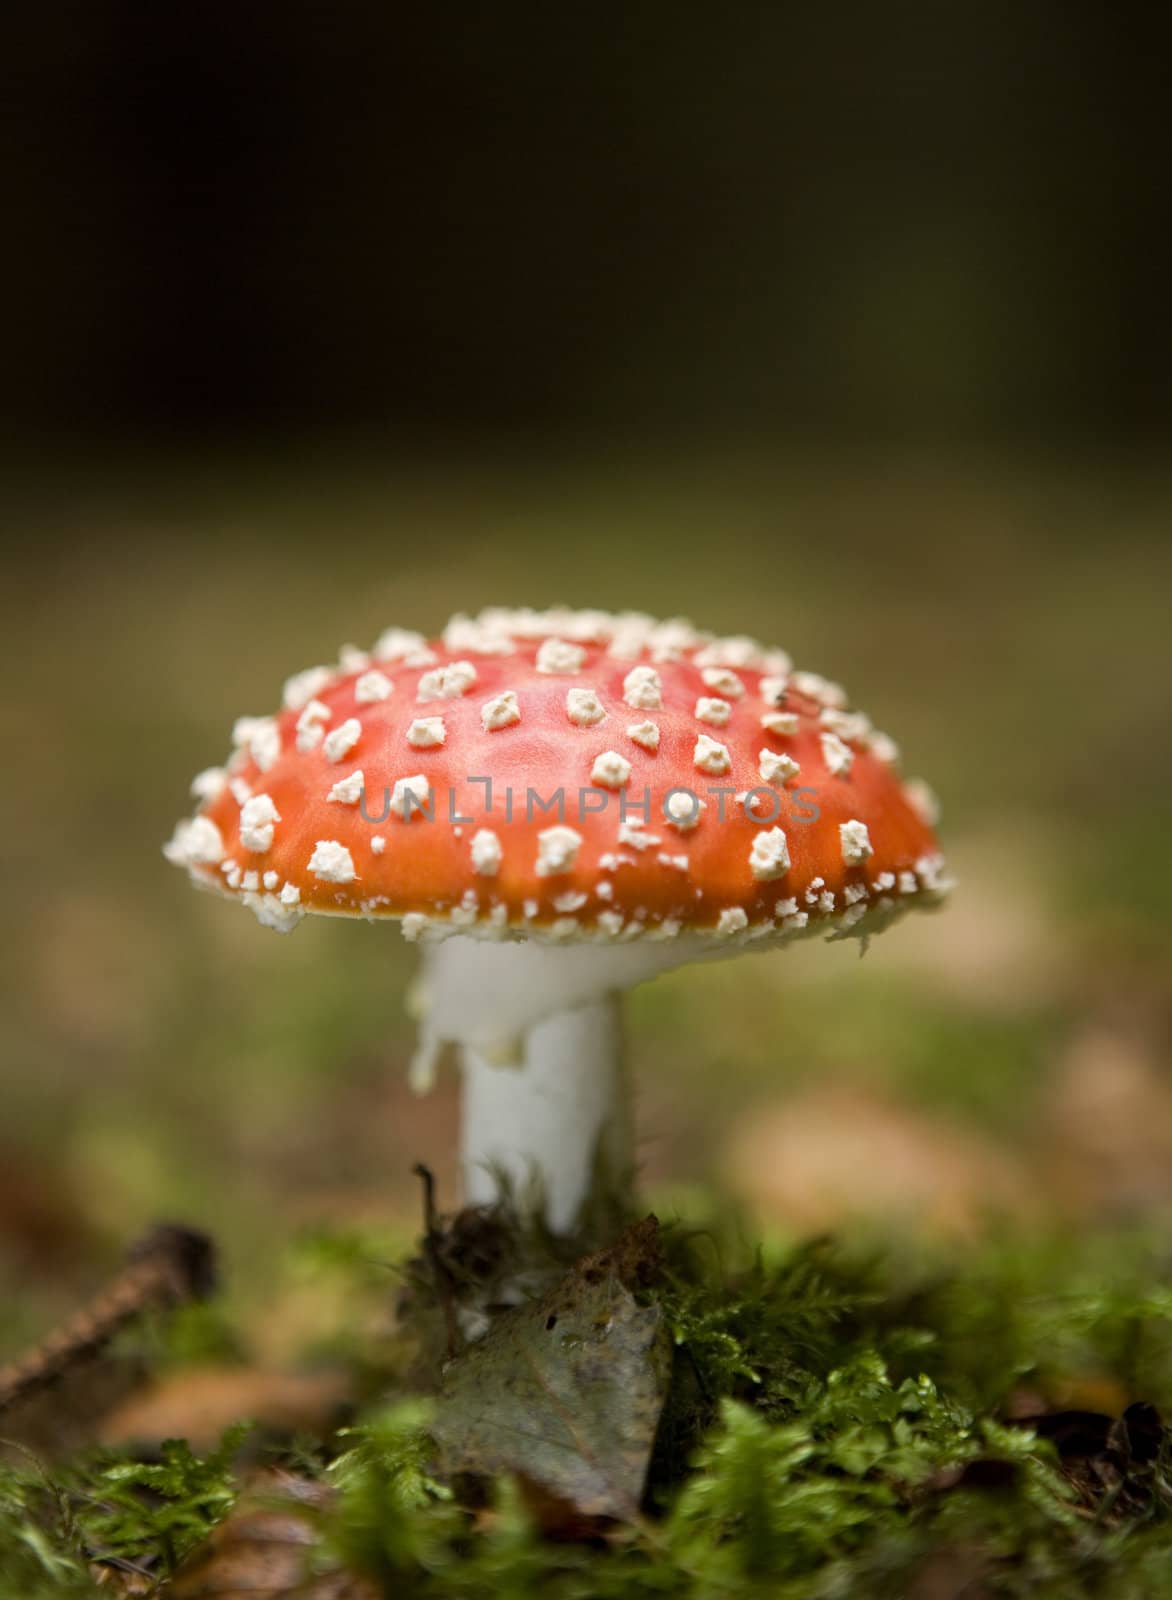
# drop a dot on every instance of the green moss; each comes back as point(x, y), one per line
point(129, 1515)
point(838, 1426)
point(391, 1517)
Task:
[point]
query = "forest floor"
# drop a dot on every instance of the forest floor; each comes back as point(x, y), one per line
point(942, 1400)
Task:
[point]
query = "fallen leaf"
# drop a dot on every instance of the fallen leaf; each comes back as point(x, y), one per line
point(566, 1393)
point(264, 1549)
point(1108, 1112)
point(954, 1572)
point(840, 1151)
point(200, 1403)
point(121, 1583)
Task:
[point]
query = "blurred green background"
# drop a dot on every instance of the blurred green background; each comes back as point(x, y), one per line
point(847, 333)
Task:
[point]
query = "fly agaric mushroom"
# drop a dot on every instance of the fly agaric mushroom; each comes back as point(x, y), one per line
point(559, 805)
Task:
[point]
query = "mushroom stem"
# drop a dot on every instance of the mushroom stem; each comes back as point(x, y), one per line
point(552, 1131)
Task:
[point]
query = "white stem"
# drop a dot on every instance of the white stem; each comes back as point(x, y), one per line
point(553, 1126)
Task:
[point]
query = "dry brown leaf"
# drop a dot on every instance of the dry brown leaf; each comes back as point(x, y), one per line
point(262, 1551)
point(200, 1403)
point(840, 1151)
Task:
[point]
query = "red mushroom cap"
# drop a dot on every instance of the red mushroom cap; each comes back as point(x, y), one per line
point(566, 775)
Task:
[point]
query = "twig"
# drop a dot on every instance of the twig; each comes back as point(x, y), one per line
point(167, 1268)
point(441, 1276)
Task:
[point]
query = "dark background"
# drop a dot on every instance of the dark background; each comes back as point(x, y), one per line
point(911, 219)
